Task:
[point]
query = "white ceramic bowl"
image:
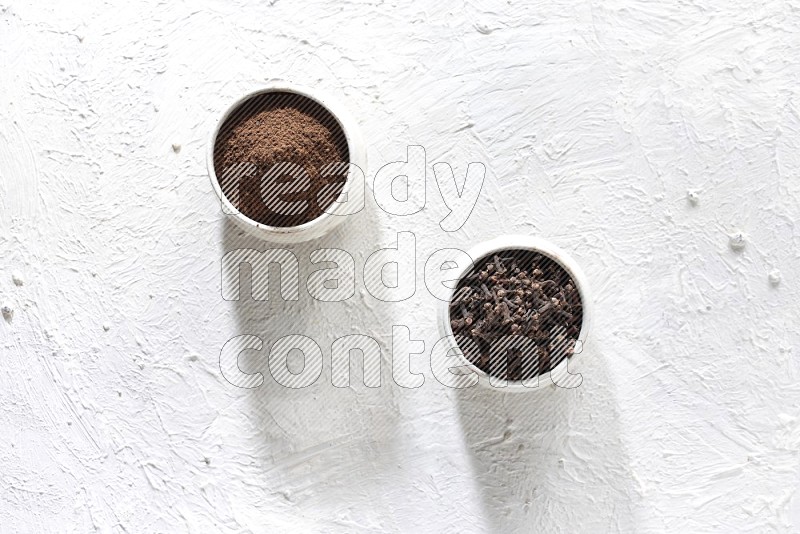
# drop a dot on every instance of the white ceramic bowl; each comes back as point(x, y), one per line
point(523, 242)
point(354, 189)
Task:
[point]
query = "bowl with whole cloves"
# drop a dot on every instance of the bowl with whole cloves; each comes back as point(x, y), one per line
point(519, 312)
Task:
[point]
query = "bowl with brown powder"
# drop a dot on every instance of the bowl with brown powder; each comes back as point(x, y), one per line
point(519, 312)
point(287, 163)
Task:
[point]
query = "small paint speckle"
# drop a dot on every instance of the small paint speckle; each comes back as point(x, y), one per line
point(8, 312)
point(775, 278)
point(17, 279)
point(693, 196)
point(737, 241)
point(106, 327)
point(176, 147)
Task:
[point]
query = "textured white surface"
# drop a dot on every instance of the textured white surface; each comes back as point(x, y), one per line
point(595, 120)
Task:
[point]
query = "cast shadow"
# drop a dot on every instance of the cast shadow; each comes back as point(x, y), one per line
point(550, 460)
point(320, 436)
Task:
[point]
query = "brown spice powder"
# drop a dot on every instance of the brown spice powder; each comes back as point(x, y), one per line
point(267, 132)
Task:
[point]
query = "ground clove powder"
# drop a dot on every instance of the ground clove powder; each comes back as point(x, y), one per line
point(263, 135)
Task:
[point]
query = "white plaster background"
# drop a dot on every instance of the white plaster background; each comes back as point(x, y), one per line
point(593, 118)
